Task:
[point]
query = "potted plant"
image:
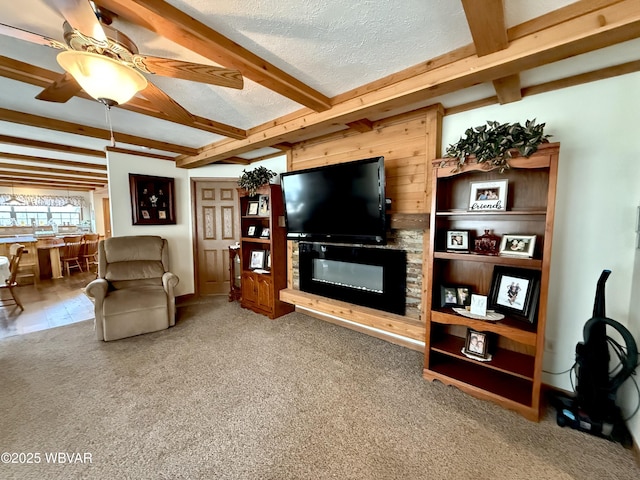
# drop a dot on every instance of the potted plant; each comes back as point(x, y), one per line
point(254, 179)
point(495, 143)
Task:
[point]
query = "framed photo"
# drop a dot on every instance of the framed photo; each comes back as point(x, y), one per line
point(515, 291)
point(152, 200)
point(252, 208)
point(253, 231)
point(269, 259)
point(476, 344)
point(488, 196)
point(518, 245)
point(257, 259)
point(264, 205)
point(455, 295)
point(265, 233)
point(457, 241)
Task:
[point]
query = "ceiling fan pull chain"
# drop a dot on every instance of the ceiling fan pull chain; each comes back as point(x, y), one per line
point(108, 111)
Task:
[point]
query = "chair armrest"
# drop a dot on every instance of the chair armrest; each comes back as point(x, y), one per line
point(97, 290)
point(169, 282)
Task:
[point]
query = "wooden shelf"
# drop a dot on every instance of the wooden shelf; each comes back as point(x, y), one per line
point(517, 331)
point(503, 360)
point(513, 377)
point(495, 259)
point(256, 240)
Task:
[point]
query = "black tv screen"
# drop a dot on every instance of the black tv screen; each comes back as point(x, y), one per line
point(342, 203)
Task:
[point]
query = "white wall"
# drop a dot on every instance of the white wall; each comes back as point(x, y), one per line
point(599, 176)
point(178, 235)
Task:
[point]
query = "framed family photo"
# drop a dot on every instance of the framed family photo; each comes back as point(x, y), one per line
point(488, 196)
point(476, 344)
point(518, 246)
point(253, 231)
point(457, 241)
point(455, 295)
point(515, 291)
point(257, 259)
point(152, 200)
point(252, 208)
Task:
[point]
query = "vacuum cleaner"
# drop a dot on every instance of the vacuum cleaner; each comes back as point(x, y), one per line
point(593, 409)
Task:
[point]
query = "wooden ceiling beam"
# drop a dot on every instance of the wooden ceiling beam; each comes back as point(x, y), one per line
point(52, 161)
point(140, 154)
point(489, 31)
point(10, 176)
point(54, 171)
point(56, 147)
point(23, 118)
point(156, 103)
point(53, 186)
point(578, 35)
point(177, 26)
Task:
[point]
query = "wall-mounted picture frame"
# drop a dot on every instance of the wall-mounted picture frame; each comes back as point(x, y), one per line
point(515, 292)
point(257, 259)
point(263, 208)
point(458, 241)
point(253, 231)
point(518, 245)
point(265, 233)
point(488, 196)
point(152, 200)
point(455, 295)
point(477, 345)
point(252, 208)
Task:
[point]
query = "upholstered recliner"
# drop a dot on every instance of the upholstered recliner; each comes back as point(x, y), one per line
point(134, 291)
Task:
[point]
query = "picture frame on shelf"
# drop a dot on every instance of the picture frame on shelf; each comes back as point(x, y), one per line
point(252, 207)
point(253, 230)
point(490, 196)
point(265, 233)
point(152, 200)
point(268, 263)
point(257, 259)
point(455, 295)
point(263, 201)
point(518, 245)
point(487, 244)
point(476, 345)
point(515, 292)
point(458, 241)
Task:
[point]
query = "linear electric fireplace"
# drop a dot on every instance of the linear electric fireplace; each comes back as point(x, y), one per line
point(373, 277)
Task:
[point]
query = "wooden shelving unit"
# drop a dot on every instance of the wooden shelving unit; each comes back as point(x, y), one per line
point(513, 376)
point(260, 288)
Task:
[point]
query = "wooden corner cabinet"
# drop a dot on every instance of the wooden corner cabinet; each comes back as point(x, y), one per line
point(263, 252)
point(512, 378)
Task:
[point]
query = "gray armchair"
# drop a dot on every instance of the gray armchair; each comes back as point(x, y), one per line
point(134, 291)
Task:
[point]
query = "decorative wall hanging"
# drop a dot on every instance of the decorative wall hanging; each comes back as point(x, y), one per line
point(152, 200)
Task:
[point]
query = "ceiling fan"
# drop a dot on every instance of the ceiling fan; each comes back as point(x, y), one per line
point(91, 43)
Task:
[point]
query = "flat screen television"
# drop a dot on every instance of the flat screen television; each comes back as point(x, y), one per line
point(343, 203)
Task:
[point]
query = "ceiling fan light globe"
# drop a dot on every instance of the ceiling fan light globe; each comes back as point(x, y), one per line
point(105, 79)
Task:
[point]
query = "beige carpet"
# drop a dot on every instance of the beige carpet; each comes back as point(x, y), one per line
point(230, 394)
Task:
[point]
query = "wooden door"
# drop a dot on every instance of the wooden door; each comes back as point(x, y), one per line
point(217, 225)
point(106, 217)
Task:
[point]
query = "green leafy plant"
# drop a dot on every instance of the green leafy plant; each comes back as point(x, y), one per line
point(254, 179)
point(495, 143)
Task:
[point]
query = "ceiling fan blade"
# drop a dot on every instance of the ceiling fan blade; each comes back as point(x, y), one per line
point(61, 90)
point(189, 71)
point(80, 15)
point(165, 104)
point(27, 36)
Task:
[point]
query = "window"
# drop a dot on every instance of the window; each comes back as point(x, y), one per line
point(40, 215)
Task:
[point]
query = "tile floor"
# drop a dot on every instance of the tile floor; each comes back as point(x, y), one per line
point(50, 303)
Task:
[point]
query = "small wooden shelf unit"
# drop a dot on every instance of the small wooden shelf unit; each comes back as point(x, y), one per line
point(261, 291)
point(512, 378)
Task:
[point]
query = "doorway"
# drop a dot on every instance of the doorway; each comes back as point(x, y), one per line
point(217, 226)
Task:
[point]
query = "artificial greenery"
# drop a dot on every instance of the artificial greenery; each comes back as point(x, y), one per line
point(495, 143)
point(254, 179)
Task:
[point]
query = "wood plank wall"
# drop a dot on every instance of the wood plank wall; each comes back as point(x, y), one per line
point(408, 142)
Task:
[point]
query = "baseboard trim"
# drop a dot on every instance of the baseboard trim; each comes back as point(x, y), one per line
point(358, 327)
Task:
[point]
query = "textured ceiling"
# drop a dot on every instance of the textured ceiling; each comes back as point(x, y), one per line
point(332, 46)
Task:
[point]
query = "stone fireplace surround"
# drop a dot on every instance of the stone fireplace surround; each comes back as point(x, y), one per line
point(373, 277)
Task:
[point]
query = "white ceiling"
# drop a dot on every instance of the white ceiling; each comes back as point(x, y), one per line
point(332, 46)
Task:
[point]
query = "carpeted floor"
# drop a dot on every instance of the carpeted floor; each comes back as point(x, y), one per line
point(228, 394)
